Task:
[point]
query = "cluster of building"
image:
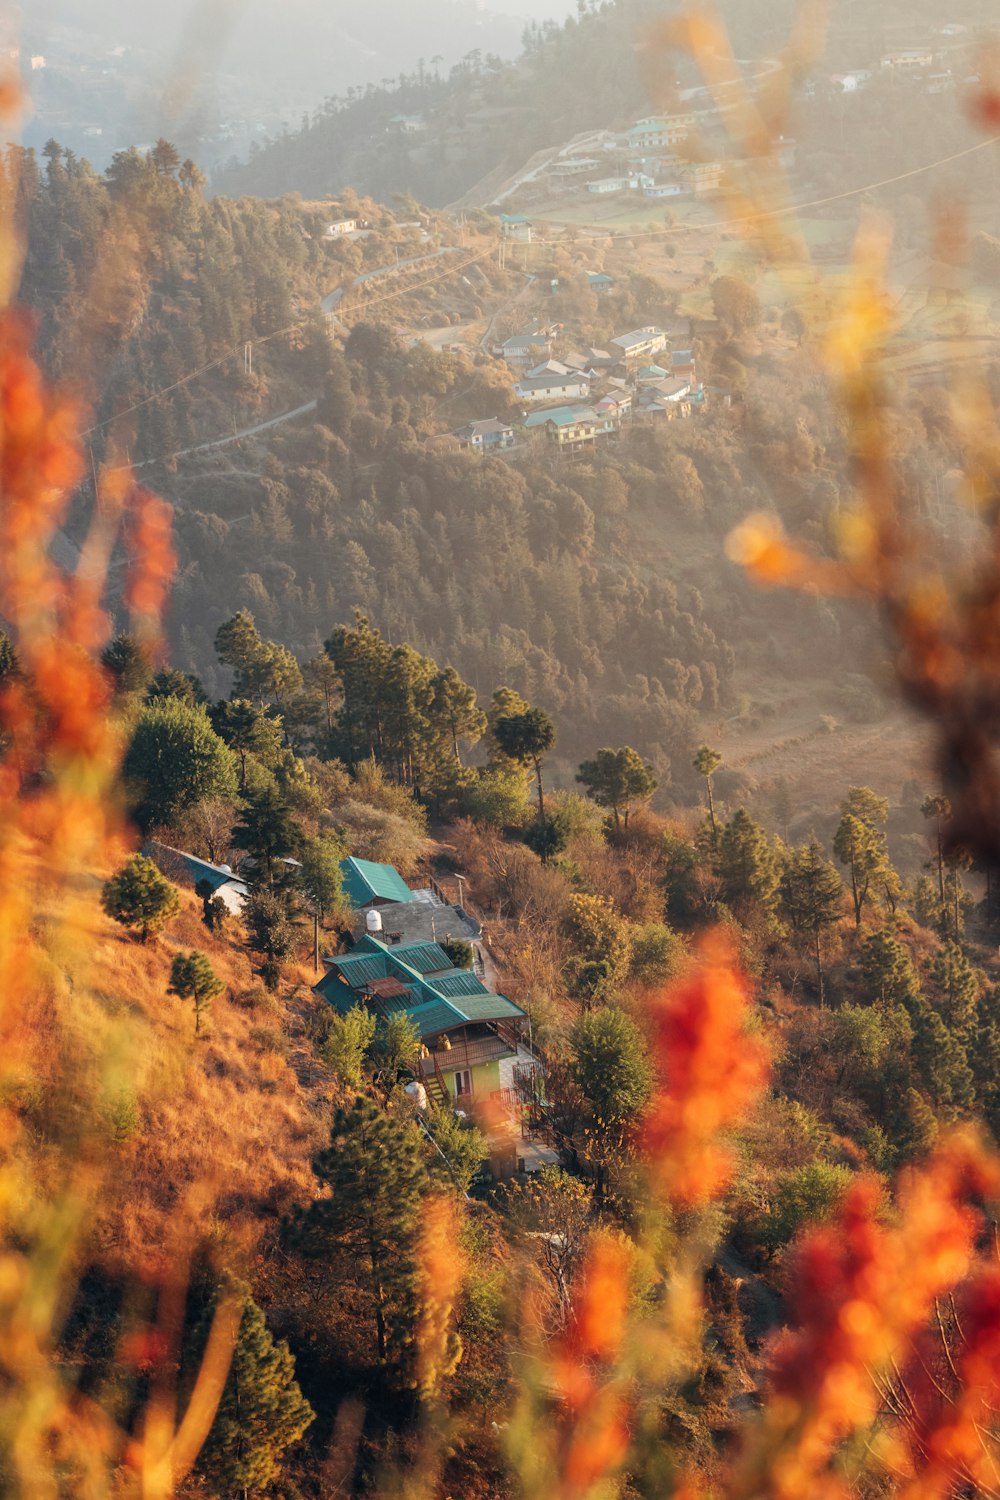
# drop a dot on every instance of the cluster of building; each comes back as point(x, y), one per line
point(648, 159)
point(584, 397)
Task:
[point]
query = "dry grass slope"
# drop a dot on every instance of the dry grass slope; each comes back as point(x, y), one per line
point(192, 1136)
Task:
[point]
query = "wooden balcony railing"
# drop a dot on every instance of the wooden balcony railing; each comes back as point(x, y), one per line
point(468, 1054)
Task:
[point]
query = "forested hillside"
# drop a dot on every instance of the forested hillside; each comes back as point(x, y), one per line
point(486, 118)
point(597, 587)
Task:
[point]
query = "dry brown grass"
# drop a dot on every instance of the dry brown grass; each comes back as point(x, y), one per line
point(218, 1129)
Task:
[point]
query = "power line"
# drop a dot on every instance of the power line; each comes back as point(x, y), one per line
point(241, 351)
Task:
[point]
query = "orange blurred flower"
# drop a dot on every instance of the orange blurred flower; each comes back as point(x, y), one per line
point(712, 1072)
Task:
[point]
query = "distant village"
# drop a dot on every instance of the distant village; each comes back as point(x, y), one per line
point(585, 396)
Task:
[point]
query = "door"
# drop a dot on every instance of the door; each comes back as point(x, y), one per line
point(463, 1084)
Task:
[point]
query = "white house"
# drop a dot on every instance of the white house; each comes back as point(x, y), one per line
point(607, 185)
point(569, 387)
point(338, 227)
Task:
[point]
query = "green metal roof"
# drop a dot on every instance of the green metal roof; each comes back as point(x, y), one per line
point(425, 958)
point(365, 881)
point(362, 968)
point(454, 986)
point(435, 1016)
point(440, 1002)
point(490, 1007)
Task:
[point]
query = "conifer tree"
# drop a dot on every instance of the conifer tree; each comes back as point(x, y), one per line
point(261, 1413)
point(811, 893)
point(706, 762)
point(193, 978)
point(958, 989)
point(859, 843)
point(139, 896)
point(746, 864)
point(617, 778)
point(375, 1172)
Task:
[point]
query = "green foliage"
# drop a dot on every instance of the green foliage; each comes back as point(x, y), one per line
point(139, 897)
point(747, 866)
point(887, 967)
point(811, 897)
point(460, 953)
point(616, 779)
point(248, 730)
point(127, 663)
point(805, 1195)
point(269, 831)
point(375, 1172)
point(860, 844)
point(320, 877)
point(175, 759)
point(193, 978)
point(497, 797)
point(601, 942)
point(609, 1063)
point(347, 1042)
point(462, 1143)
point(262, 1412)
point(658, 954)
point(263, 671)
point(269, 932)
point(396, 1050)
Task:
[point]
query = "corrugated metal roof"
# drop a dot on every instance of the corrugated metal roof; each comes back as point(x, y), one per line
point(365, 881)
point(435, 1016)
point(362, 968)
point(490, 1007)
point(453, 986)
point(423, 958)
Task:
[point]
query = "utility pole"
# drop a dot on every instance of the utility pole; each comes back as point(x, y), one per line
point(248, 358)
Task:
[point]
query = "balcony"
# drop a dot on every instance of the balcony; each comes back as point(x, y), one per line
point(469, 1054)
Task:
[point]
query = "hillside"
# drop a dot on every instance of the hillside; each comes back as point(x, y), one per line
point(442, 138)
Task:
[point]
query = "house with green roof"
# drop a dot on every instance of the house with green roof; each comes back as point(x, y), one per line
point(369, 884)
point(571, 427)
point(473, 1039)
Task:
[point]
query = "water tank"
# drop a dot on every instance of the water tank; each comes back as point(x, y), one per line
point(373, 920)
point(226, 869)
point(417, 1093)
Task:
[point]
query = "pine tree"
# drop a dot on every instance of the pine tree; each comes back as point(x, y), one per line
point(955, 980)
point(706, 763)
point(887, 967)
point(812, 893)
point(375, 1171)
point(193, 978)
point(617, 778)
point(261, 1413)
point(746, 864)
point(860, 845)
point(139, 896)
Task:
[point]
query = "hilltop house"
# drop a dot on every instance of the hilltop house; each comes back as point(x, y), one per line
point(190, 871)
point(600, 282)
point(605, 186)
point(338, 227)
point(486, 436)
point(553, 387)
point(701, 176)
point(525, 348)
point(666, 398)
point(572, 427)
point(659, 131)
point(640, 343)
